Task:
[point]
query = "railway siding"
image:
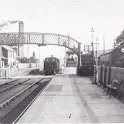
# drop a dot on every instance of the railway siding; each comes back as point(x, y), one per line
point(8, 106)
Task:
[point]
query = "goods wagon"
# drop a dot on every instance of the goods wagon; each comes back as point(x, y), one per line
point(87, 67)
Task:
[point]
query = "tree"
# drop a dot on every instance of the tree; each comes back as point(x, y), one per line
point(120, 38)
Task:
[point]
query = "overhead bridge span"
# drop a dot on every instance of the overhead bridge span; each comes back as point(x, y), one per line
point(41, 39)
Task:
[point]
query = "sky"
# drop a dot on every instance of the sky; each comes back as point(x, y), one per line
point(70, 17)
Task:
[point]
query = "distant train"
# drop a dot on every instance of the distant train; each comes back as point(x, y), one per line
point(87, 67)
point(51, 65)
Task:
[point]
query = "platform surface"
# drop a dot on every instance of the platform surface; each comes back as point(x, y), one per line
point(73, 99)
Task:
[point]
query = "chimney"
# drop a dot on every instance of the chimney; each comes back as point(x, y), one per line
point(21, 27)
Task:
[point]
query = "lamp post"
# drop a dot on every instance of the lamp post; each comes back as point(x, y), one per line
point(96, 48)
point(92, 43)
point(96, 60)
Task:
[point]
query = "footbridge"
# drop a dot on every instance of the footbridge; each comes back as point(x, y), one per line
point(41, 39)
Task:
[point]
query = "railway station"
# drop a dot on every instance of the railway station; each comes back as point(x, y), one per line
point(72, 99)
point(68, 98)
point(61, 62)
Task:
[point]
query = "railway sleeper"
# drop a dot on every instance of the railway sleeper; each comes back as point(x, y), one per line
point(17, 95)
point(25, 103)
point(13, 86)
point(9, 82)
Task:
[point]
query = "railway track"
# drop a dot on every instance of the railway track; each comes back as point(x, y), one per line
point(9, 86)
point(2, 86)
point(15, 98)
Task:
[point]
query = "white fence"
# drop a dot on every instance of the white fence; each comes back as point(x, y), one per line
point(27, 65)
point(11, 72)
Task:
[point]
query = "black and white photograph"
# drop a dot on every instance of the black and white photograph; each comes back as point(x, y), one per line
point(61, 61)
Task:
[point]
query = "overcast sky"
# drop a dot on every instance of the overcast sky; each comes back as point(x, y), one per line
point(73, 17)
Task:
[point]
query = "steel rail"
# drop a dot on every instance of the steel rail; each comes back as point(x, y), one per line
point(4, 104)
point(8, 82)
point(8, 88)
point(20, 115)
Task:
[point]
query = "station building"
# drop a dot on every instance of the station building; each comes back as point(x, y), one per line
point(8, 56)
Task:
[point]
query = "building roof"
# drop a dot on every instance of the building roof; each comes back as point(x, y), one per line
point(101, 52)
point(69, 51)
point(8, 48)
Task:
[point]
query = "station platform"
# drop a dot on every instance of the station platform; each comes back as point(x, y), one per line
point(72, 99)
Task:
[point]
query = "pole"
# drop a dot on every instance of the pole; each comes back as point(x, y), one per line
point(29, 52)
point(92, 31)
point(39, 53)
point(94, 75)
point(92, 45)
point(18, 45)
point(18, 39)
point(65, 58)
point(18, 50)
point(79, 58)
point(103, 44)
point(39, 57)
point(96, 62)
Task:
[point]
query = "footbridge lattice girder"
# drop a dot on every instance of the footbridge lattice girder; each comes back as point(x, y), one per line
point(41, 39)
